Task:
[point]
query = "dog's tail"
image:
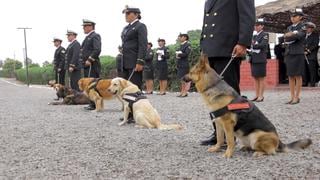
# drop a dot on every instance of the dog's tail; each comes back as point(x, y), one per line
point(296, 145)
point(170, 126)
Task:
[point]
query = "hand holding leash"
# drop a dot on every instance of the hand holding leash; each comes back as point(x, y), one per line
point(239, 50)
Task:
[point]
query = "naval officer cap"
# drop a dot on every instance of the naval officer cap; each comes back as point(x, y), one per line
point(70, 32)
point(310, 25)
point(129, 9)
point(57, 39)
point(184, 35)
point(87, 22)
point(297, 12)
point(260, 21)
point(161, 40)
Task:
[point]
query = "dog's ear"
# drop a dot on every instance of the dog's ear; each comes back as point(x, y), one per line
point(123, 83)
point(204, 60)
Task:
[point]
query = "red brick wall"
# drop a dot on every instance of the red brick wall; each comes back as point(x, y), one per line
point(272, 79)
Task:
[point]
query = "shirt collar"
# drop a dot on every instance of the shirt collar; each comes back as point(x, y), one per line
point(90, 32)
point(133, 21)
point(184, 42)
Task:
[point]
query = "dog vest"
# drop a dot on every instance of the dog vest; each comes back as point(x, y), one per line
point(93, 85)
point(249, 117)
point(132, 98)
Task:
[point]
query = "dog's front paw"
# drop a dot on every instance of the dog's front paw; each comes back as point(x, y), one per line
point(214, 148)
point(258, 154)
point(228, 154)
point(121, 123)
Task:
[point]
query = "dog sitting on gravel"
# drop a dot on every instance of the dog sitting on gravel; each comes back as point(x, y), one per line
point(97, 90)
point(70, 96)
point(236, 116)
point(144, 114)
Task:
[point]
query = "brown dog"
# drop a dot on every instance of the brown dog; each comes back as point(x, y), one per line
point(97, 90)
point(143, 113)
point(70, 96)
point(235, 116)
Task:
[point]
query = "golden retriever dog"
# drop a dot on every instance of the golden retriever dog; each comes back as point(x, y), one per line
point(236, 116)
point(144, 114)
point(97, 90)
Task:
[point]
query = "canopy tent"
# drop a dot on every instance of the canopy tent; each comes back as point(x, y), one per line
point(277, 13)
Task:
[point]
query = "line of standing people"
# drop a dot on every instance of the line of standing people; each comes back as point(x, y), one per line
point(77, 57)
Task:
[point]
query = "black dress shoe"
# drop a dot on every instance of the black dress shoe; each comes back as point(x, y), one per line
point(90, 108)
point(212, 140)
point(260, 100)
point(130, 120)
point(186, 95)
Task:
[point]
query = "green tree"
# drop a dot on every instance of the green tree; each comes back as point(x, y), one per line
point(11, 64)
point(46, 63)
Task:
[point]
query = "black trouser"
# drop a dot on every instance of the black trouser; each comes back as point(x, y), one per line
point(61, 76)
point(232, 73)
point(310, 73)
point(95, 70)
point(74, 78)
point(135, 79)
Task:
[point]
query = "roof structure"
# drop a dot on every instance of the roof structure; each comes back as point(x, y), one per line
point(277, 13)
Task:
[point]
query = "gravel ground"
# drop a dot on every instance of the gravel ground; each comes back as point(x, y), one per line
point(38, 141)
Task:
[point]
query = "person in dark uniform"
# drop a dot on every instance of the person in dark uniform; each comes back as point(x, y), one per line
point(279, 52)
point(294, 55)
point(163, 56)
point(182, 56)
point(259, 49)
point(90, 50)
point(310, 50)
point(148, 70)
point(58, 62)
point(73, 64)
point(119, 62)
point(134, 44)
point(227, 31)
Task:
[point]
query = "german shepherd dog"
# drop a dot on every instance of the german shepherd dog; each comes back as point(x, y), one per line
point(70, 96)
point(250, 126)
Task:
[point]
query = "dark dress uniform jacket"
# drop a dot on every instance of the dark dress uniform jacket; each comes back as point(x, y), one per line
point(221, 31)
point(184, 56)
point(73, 55)
point(294, 44)
point(134, 44)
point(91, 47)
point(149, 59)
point(260, 42)
point(119, 62)
point(59, 58)
point(311, 44)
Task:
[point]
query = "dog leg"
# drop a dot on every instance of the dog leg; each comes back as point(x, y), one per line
point(102, 104)
point(258, 153)
point(220, 138)
point(122, 103)
point(228, 129)
point(125, 117)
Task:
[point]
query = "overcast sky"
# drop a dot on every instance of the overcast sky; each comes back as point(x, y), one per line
point(48, 19)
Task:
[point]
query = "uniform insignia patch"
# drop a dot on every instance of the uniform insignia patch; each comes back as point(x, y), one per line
point(63, 51)
point(133, 28)
point(265, 37)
